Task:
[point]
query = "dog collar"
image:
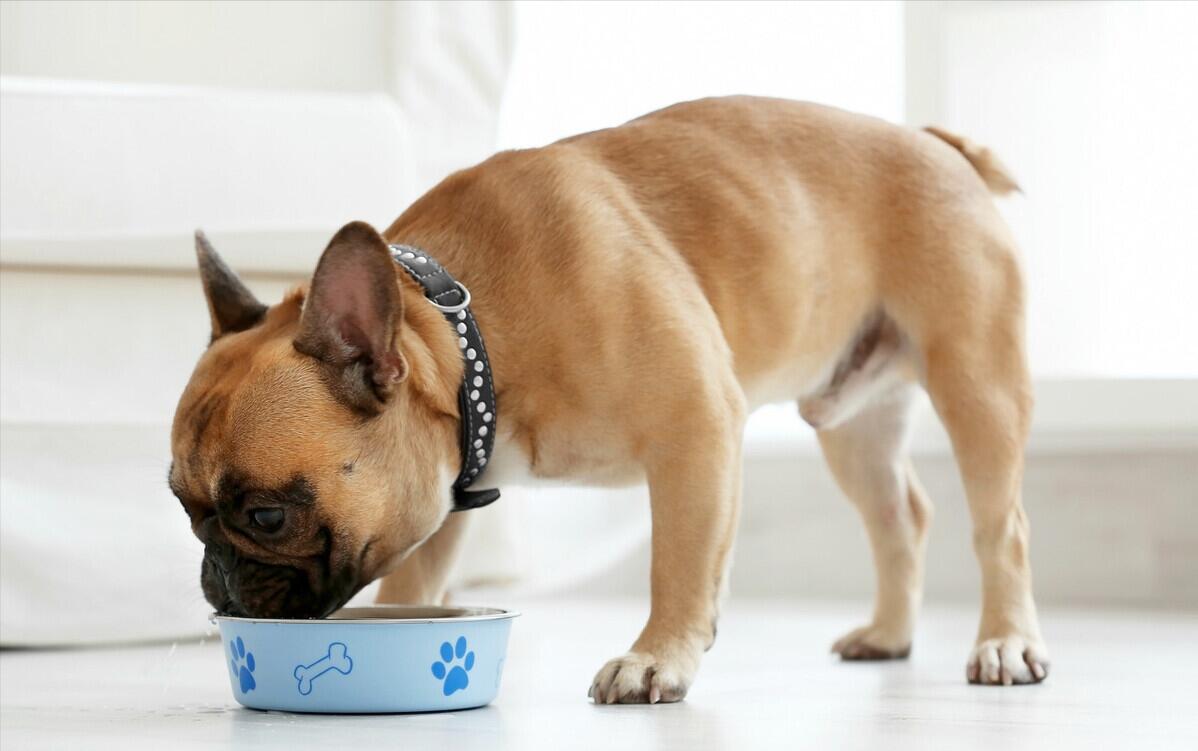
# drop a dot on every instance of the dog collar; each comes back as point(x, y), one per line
point(476, 397)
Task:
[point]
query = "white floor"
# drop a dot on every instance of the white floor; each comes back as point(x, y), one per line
point(1119, 680)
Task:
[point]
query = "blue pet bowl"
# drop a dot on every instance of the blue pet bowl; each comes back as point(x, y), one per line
point(395, 658)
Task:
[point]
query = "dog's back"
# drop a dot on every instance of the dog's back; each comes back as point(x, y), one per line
point(797, 221)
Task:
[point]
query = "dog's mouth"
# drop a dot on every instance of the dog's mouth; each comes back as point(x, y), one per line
point(251, 589)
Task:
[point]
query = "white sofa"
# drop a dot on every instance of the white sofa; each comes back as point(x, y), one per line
point(114, 146)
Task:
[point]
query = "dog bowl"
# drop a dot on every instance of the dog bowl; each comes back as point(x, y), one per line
point(396, 658)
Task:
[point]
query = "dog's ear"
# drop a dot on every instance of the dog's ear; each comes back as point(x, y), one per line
point(352, 315)
point(231, 305)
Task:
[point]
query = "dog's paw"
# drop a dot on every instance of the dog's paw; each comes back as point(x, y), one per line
point(873, 642)
point(641, 678)
point(1007, 660)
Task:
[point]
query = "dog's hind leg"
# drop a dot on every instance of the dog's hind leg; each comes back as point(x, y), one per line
point(979, 384)
point(975, 370)
point(867, 454)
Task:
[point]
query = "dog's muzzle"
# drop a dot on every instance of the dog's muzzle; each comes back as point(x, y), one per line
point(240, 586)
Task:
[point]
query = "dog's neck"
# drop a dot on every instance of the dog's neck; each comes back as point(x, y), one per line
point(427, 343)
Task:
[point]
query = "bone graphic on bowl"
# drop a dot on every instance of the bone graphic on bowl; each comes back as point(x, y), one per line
point(337, 659)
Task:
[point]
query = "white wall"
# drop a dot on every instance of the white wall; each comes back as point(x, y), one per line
point(588, 65)
point(1092, 105)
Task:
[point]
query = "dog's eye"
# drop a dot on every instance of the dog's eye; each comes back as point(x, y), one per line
point(267, 519)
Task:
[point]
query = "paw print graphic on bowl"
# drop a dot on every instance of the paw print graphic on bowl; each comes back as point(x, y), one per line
point(243, 665)
point(454, 667)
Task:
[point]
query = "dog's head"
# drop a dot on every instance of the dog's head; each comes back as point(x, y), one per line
point(307, 459)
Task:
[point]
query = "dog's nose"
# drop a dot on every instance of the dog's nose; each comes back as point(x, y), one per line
point(217, 548)
point(208, 530)
point(222, 558)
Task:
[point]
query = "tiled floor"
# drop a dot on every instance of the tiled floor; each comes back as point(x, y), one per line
point(1119, 680)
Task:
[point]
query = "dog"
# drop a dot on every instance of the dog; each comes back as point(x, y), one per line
point(640, 290)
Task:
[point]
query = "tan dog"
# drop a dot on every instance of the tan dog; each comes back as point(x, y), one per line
point(640, 290)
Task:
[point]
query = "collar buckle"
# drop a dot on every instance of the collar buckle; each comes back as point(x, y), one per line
point(465, 303)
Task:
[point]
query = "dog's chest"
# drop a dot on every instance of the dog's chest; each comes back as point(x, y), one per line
point(787, 382)
point(558, 462)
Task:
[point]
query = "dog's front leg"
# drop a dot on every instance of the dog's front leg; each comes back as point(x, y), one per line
point(694, 489)
point(421, 578)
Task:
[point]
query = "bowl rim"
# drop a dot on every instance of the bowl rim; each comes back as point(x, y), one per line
point(472, 613)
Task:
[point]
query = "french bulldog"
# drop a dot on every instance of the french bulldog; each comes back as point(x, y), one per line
point(640, 290)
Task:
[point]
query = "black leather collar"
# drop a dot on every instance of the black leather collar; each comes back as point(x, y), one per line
point(476, 397)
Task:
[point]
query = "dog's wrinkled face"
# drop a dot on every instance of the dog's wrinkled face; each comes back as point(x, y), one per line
point(305, 467)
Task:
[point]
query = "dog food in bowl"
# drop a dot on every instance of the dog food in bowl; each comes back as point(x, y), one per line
point(393, 658)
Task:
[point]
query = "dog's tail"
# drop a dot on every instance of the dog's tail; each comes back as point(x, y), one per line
point(992, 171)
